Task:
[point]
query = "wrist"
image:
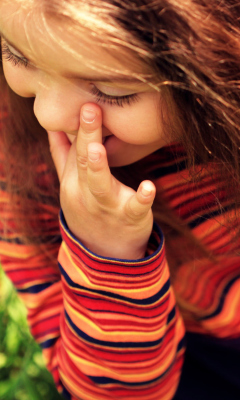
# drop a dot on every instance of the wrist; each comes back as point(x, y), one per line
point(118, 251)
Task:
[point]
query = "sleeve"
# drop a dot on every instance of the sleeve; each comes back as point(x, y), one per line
point(109, 328)
point(121, 333)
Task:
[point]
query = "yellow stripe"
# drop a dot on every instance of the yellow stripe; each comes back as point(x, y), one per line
point(116, 334)
point(90, 368)
point(70, 386)
point(17, 255)
point(154, 288)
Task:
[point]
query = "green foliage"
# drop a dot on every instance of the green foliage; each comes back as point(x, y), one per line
point(23, 375)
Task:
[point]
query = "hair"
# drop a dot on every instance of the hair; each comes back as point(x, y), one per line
point(191, 52)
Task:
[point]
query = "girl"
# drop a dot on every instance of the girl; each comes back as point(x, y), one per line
point(133, 293)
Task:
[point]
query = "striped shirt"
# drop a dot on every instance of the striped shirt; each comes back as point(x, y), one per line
point(116, 329)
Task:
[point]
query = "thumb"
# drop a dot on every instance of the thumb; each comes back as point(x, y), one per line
point(59, 148)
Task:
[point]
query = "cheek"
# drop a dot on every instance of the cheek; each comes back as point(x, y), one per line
point(17, 80)
point(141, 123)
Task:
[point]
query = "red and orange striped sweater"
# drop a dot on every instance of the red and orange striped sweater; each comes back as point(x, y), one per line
point(113, 329)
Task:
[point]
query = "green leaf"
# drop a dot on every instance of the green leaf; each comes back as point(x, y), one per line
point(31, 389)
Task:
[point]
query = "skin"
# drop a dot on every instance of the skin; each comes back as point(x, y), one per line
point(109, 218)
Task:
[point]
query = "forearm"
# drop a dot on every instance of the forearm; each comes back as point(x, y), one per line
point(121, 330)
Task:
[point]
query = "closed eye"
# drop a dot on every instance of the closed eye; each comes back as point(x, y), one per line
point(114, 100)
point(13, 58)
point(101, 97)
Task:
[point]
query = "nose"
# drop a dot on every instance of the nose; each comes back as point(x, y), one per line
point(57, 107)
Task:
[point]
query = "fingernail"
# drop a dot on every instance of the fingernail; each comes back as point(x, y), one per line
point(93, 156)
point(146, 191)
point(88, 115)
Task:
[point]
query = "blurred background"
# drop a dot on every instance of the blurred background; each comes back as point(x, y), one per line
point(23, 375)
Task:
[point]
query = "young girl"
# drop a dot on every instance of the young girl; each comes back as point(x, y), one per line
point(129, 267)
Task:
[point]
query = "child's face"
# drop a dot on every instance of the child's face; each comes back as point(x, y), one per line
point(56, 82)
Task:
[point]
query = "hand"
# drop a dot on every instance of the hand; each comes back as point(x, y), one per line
point(109, 218)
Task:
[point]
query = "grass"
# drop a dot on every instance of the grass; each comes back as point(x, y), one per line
point(23, 375)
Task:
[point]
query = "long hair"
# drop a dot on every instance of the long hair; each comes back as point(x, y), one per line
point(192, 50)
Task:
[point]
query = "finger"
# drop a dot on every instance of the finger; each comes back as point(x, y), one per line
point(90, 131)
point(59, 148)
point(98, 174)
point(140, 204)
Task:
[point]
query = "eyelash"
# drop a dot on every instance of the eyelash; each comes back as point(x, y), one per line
point(9, 56)
point(118, 100)
point(100, 96)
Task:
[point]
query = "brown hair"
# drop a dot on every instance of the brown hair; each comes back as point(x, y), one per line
point(192, 48)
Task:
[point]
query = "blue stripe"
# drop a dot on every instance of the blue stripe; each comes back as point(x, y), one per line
point(65, 393)
point(103, 380)
point(221, 300)
point(171, 169)
point(103, 343)
point(36, 288)
point(148, 301)
point(208, 216)
point(48, 343)
point(127, 306)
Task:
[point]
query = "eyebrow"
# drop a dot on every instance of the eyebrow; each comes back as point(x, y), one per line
point(110, 79)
